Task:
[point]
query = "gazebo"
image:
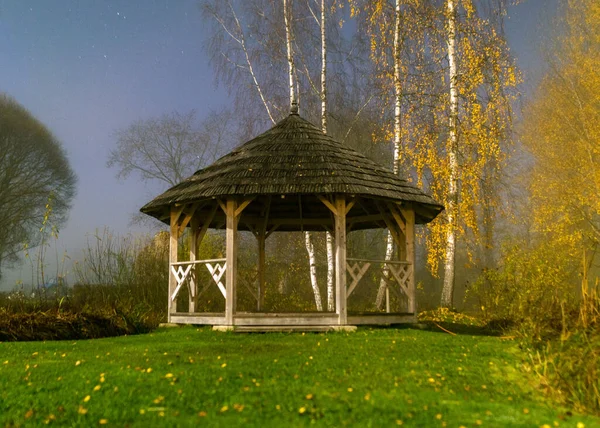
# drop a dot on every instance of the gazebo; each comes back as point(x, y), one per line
point(291, 178)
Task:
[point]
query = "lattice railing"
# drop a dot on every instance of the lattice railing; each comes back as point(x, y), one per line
point(400, 273)
point(184, 272)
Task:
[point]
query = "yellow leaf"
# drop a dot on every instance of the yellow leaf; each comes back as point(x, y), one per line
point(103, 421)
point(302, 410)
point(86, 399)
point(82, 410)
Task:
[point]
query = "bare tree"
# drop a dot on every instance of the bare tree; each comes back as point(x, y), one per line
point(34, 170)
point(170, 148)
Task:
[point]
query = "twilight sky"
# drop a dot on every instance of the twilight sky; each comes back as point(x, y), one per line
point(88, 68)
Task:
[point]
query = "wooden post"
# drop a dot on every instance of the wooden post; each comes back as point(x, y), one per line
point(194, 226)
point(261, 269)
point(173, 247)
point(409, 215)
point(231, 261)
point(340, 260)
point(262, 237)
point(387, 299)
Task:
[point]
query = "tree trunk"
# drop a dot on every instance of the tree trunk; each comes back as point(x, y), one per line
point(310, 249)
point(397, 147)
point(329, 237)
point(290, 56)
point(452, 203)
point(313, 270)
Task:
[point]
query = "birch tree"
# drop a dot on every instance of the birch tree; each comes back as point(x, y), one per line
point(292, 77)
point(455, 132)
point(463, 154)
point(396, 33)
point(452, 148)
point(329, 237)
point(397, 141)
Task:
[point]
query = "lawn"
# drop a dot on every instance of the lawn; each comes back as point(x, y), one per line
point(189, 376)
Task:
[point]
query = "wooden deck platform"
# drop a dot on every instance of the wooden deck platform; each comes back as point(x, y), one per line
point(304, 321)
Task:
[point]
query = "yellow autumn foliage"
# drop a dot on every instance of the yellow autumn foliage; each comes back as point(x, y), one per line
point(487, 87)
point(562, 132)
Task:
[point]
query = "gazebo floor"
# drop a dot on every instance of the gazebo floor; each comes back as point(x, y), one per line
point(297, 321)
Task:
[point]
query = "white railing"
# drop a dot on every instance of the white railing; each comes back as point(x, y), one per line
point(401, 272)
point(183, 271)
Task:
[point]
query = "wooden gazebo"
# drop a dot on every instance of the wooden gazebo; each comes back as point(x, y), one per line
point(291, 178)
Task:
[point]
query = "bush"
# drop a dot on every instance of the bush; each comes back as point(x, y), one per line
point(532, 290)
point(534, 294)
point(63, 325)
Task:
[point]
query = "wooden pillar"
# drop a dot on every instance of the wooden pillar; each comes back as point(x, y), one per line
point(231, 260)
point(409, 215)
point(261, 270)
point(194, 226)
point(340, 260)
point(173, 248)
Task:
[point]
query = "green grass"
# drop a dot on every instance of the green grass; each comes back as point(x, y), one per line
point(189, 376)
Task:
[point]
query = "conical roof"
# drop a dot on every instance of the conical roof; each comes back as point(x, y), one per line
point(294, 158)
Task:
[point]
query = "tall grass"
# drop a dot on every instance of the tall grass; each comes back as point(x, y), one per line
point(535, 294)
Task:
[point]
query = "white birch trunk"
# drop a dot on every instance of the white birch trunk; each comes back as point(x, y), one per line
point(389, 251)
point(452, 203)
point(290, 55)
point(329, 237)
point(293, 103)
point(313, 270)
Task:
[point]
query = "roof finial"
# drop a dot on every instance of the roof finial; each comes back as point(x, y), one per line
point(294, 107)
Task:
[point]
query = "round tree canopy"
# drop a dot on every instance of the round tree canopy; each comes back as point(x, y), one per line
point(287, 172)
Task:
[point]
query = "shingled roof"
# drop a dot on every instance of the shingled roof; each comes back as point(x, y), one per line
point(294, 158)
